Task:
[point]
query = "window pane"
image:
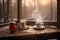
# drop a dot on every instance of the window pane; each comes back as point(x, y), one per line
point(45, 10)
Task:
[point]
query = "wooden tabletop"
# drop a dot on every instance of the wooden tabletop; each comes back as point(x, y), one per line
point(30, 31)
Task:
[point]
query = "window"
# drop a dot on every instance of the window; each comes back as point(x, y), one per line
point(8, 10)
point(4, 15)
point(45, 10)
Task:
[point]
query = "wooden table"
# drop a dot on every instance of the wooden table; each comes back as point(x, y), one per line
point(30, 31)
